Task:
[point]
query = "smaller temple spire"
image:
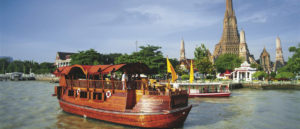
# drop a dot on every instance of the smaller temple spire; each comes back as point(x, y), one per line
point(242, 36)
point(264, 48)
point(279, 62)
point(182, 50)
point(278, 43)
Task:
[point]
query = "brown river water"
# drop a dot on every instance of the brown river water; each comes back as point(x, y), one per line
point(29, 105)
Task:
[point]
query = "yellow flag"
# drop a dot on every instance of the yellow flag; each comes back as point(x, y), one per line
point(171, 70)
point(191, 73)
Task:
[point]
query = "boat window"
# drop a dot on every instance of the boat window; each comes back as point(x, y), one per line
point(97, 96)
point(70, 92)
point(83, 94)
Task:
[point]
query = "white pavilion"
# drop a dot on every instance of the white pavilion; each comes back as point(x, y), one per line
point(243, 73)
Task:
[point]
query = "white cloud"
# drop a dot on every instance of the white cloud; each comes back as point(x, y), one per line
point(259, 17)
point(170, 18)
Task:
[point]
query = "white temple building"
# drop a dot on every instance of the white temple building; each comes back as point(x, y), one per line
point(243, 73)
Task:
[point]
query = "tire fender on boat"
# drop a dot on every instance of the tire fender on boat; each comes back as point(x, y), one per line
point(108, 94)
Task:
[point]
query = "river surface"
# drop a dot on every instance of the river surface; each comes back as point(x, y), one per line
point(29, 105)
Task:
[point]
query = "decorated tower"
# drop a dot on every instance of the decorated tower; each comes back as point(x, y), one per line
point(279, 62)
point(230, 40)
point(243, 49)
point(265, 61)
point(182, 51)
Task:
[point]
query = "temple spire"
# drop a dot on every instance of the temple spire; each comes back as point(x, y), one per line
point(229, 8)
point(182, 50)
point(279, 56)
point(242, 36)
point(278, 43)
point(230, 39)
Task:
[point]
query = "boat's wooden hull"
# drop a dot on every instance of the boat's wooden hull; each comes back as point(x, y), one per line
point(168, 119)
point(210, 95)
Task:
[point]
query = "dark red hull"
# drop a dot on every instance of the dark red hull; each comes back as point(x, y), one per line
point(210, 95)
point(168, 119)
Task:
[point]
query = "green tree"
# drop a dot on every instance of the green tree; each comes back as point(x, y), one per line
point(201, 52)
point(285, 75)
point(15, 66)
point(273, 75)
point(185, 77)
point(29, 66)
point(227, 62)
point(257, 66)
point(149, 55)
point(109, 58)
point(46, 67)
point(179, 70)
point(4, 62)
point(202, 62)
point(293, 64)
point(260, 75)
point(87, 57)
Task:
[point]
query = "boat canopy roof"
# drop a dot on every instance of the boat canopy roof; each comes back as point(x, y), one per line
point(132, 68)
point(96, 69)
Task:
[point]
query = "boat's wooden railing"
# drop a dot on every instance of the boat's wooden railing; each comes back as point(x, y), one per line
point(77, 83)
point(118, 85)
point(108, 84)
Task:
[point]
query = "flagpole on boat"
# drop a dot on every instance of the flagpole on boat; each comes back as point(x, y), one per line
point(168, 81)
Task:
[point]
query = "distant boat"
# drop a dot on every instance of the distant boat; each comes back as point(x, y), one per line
point(207, 90)
point(16, 76)
point(84, 90)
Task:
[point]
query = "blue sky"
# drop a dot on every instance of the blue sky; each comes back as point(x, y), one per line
point(37, 29)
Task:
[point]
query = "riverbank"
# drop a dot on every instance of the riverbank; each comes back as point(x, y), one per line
point(263, 85)
point(266, 86)
point(46, 77)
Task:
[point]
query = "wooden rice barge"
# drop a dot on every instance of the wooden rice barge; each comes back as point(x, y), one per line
point(83, 91)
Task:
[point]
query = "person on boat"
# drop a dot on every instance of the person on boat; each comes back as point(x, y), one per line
point(113, 75)
point(124, 79)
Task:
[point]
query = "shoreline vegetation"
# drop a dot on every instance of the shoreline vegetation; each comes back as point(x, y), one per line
point(154, 59)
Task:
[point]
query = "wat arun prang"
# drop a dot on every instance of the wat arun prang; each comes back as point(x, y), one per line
point(232, 42)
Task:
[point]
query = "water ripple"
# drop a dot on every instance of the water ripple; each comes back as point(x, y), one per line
point(29, 104)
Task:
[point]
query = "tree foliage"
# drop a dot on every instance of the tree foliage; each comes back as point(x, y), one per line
point(285, 75)
point(260, 75)
point(273, 75)
point(26, 67)
point(227, 62)
point(257, 66)
point(149, 55)
point(202, 61)
point(88, 57)
point(185, 77)
point(179, 70)
point(92, 57)
point(4, 62)
point(293, 64)
point(201, 52)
